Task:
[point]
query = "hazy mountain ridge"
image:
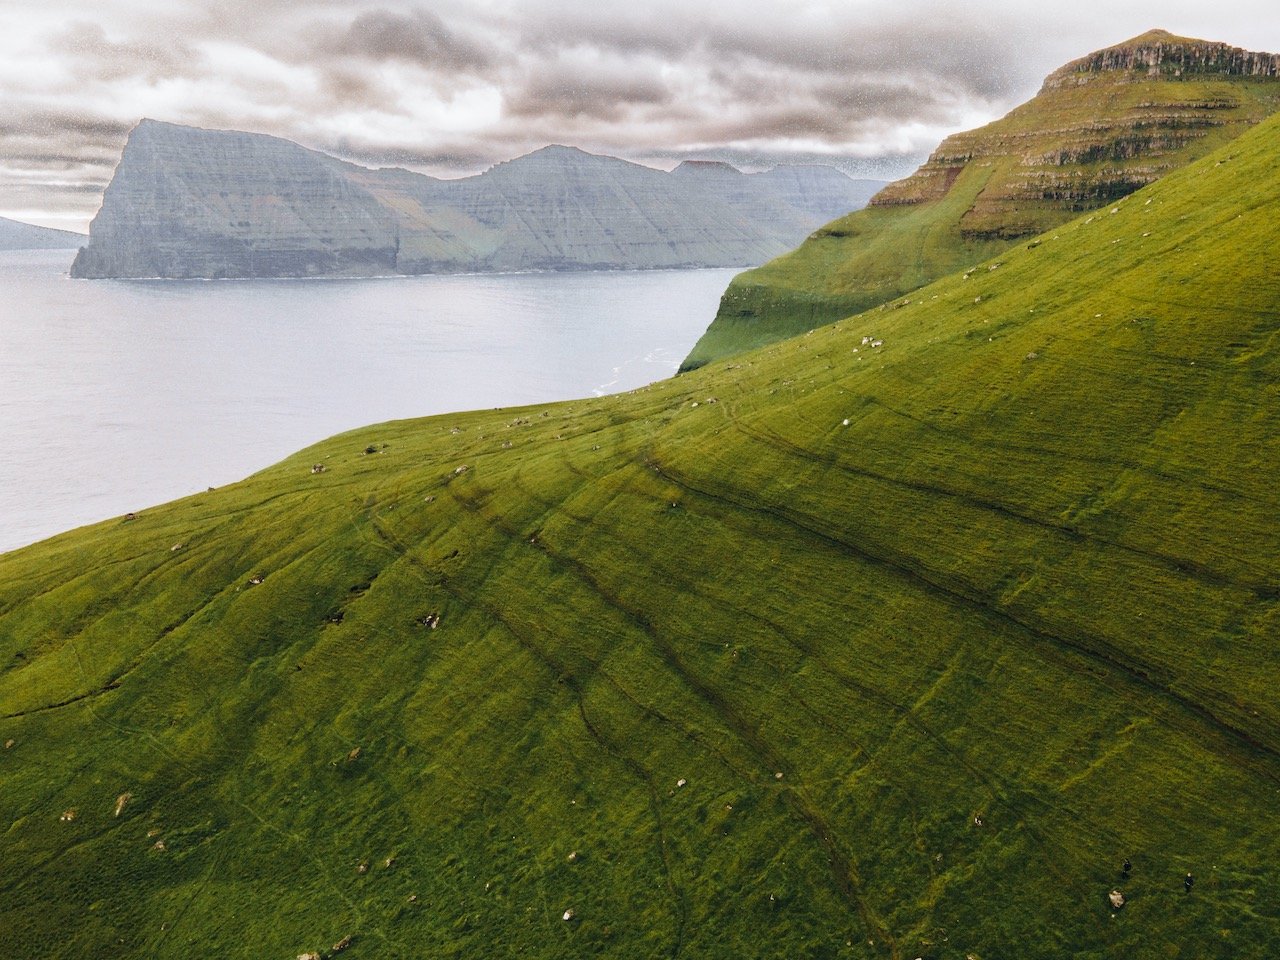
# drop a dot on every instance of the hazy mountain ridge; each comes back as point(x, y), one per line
point(889, 641)
point(16, 235)
point(201, 203)
point(1100, 128)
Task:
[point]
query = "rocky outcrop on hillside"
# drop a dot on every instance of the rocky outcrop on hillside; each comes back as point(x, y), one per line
point(186, 202)
point(1159, 53)
point(16, 235)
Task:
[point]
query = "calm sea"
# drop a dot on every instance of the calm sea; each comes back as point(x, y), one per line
point(116, 395)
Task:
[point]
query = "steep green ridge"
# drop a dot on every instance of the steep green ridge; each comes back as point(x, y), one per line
point(839, 650)
point(1100, 128)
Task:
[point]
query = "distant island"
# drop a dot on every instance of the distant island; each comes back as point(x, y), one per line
point(189, 202)
point(16, 235)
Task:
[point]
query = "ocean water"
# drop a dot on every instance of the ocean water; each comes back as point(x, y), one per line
point(116, 395)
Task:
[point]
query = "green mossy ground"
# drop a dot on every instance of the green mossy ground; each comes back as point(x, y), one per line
point(929, 676)
point(875, 255)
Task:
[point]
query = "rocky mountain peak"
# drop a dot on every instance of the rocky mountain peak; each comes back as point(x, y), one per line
point(1161, 54)
point(557, 154)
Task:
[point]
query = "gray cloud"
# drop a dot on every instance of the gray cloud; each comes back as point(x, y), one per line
point(970, 53)
point(419, 37)
point(557, 91)
point(92, 56)
point(85, 127)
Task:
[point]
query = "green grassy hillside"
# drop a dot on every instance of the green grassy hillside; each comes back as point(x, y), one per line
point(888, 641)
point(1100, 128)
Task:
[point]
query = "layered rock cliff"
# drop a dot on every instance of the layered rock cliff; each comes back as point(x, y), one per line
point(1158, 53)
point(16, 235)
point(215, 203)
point(1100, 128)
point(186, 202)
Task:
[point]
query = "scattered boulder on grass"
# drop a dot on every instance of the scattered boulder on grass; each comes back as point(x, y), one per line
point(69, 815)
point(310, 955)
point(354, 755)
point(122, 801)
point(343, 944)
point(1116, 898)
point(362, 867)
point(8, 744)
point(573, 856)
point(568, 915)
point(317, 468)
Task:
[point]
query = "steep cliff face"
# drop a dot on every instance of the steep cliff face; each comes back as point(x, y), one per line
point(1100, 128)
point(1158, 53)
point(213, 203)
point(16, 235)
point(201, 203)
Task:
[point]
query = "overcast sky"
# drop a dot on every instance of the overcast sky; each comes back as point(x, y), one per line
point(453, 86)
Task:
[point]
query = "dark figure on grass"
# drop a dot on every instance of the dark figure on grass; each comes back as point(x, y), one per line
point(1126, 867)
point(1189, 882)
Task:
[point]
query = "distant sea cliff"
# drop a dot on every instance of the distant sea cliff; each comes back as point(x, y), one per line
point(188, 202)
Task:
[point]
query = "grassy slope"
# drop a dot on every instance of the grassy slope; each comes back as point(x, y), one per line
point(1036, 591)
point(875, 255)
